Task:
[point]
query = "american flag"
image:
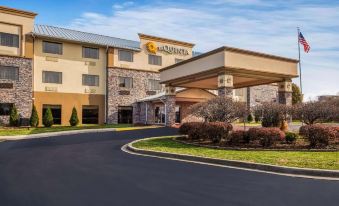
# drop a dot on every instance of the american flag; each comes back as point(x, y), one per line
point(303, 41)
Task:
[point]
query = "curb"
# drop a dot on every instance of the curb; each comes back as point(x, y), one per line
point(53, 134)
point(315, 173)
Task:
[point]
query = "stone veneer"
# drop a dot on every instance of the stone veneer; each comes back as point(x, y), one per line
point(21, 93)
point(118, 97)
point(263, 93)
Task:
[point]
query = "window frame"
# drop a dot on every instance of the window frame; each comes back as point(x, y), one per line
point(124, 78)
point(44, 77)
point(92, 48)
point(52, 42)
point(152, 63)
point(125, 60)
point(149, 85)
point(95, 81)
point(15, 40)
point(12, 67)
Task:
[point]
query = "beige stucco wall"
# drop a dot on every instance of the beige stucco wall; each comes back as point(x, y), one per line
point(140, 60)
point(195, 94)
point(15, 24)
point(72, 65)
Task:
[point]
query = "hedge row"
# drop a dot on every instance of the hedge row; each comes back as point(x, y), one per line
point(320, 135)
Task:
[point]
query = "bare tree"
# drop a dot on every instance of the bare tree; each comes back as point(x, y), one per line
point(272, 114)
point(219, 109)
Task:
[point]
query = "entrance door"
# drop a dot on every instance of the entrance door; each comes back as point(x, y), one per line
point(177, 114)
point(90, 114)
point(125, 115)
point(159, 115)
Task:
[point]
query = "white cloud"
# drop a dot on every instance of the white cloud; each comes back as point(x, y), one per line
point(122, 5)
point(267, 30)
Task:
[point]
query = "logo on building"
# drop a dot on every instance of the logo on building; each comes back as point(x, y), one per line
point(152, 48)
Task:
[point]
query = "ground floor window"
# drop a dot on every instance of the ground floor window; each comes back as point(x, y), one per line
point(5, 108)
point(56, 112)
point(177, 114)
point(125, 115)
point(90, 114)
point(159, 115)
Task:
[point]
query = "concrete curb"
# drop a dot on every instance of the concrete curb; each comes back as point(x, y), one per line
point(316, 173)
point(53, 134)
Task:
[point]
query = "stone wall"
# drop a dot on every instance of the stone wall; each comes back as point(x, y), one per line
point(126, 97)
point(21, 92)
point(263, 93)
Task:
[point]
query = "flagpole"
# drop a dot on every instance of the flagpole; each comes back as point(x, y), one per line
point(301, 88)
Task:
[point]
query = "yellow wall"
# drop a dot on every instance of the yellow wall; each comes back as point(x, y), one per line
point(140, 60)
point(15, 24)
point(67, 102)
point(72, 65)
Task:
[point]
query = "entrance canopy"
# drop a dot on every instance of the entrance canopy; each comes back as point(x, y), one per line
point(247, 68)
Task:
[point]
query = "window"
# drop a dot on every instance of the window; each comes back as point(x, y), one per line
point(51, 77)
point(9, 72)
point(178, 60)
point(154, 59)
point(154, 85)
point(88, 52)
point(126, 82)
point(5, 108)
point(51, 47)
point(125, 115)
point(90, 80)
point(125, 55)
point(10, 40)
point(90, 114)
point(56, 112)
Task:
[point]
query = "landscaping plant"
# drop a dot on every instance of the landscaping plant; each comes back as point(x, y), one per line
point(315, 112)
point(48, 118)
point(320, 135)
point(266, 137)
point(297, 97)
point(74, 120)
point(249, 118)
point(272, 114)
point(14, 117)
point(238, 138)
point(290, 137)
point(34, 119)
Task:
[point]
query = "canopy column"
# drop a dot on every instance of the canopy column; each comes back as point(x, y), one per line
point(225, 85)
point(169, 102)
point(285, 92)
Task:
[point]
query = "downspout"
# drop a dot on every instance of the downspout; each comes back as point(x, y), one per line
point(106, 88)
point(146, 115)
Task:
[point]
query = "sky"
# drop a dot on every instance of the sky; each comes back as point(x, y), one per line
point(259, 25)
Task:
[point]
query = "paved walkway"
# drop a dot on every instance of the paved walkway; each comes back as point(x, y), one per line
point(91, 169)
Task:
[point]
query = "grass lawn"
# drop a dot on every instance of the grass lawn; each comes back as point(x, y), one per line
point(316, 160)
point(26, 131)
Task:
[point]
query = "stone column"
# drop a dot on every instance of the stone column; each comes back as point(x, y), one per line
point(285, 92)
point(225, 85)
point(170, 105)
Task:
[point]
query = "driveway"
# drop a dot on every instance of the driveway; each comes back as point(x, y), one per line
point(90, 169)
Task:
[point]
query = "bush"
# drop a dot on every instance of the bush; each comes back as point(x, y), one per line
point(272, 114)
point(313, 112)
point(48, 118)
point(249, 118)
point(34, 120)
point(74, 120)
point(290, 137)
point(266, 136)
point(319, 135)
point(238, 137)
point(14, 117)
point(185, 127)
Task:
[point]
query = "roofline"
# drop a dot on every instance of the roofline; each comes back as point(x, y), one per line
point(17, 12)
point(231, 49)
point(165, 40)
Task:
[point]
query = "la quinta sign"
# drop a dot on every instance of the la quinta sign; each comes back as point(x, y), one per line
point(151, 47)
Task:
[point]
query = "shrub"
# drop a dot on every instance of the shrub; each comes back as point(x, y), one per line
point(290, 137)
point(250, 118)
point(14, 117)
point(216, 131)
point(272, 114)
point(319, 135)
point(34, 120)
point(74, 120)
point(266, 136)
point(48, 118)
point(185, 127)
point(238, 137)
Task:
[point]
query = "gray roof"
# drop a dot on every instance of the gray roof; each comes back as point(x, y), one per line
point(85, 37)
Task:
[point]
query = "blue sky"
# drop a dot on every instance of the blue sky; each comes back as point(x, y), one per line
point(261, 25)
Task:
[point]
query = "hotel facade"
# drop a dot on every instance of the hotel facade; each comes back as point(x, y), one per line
point(113, 80)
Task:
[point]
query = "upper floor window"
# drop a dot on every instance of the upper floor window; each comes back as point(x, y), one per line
point(154, 59)
point(126, 82)
point(52, 77)
point(178, 60)
point(10, 40)
point(88, 52)
point(154, 85)
point(5, 108)
point(125, 55)
point(9, 72)
point(90, 80)
point(51, 47)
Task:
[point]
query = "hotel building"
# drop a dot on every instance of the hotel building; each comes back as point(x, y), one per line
point(108, 79)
